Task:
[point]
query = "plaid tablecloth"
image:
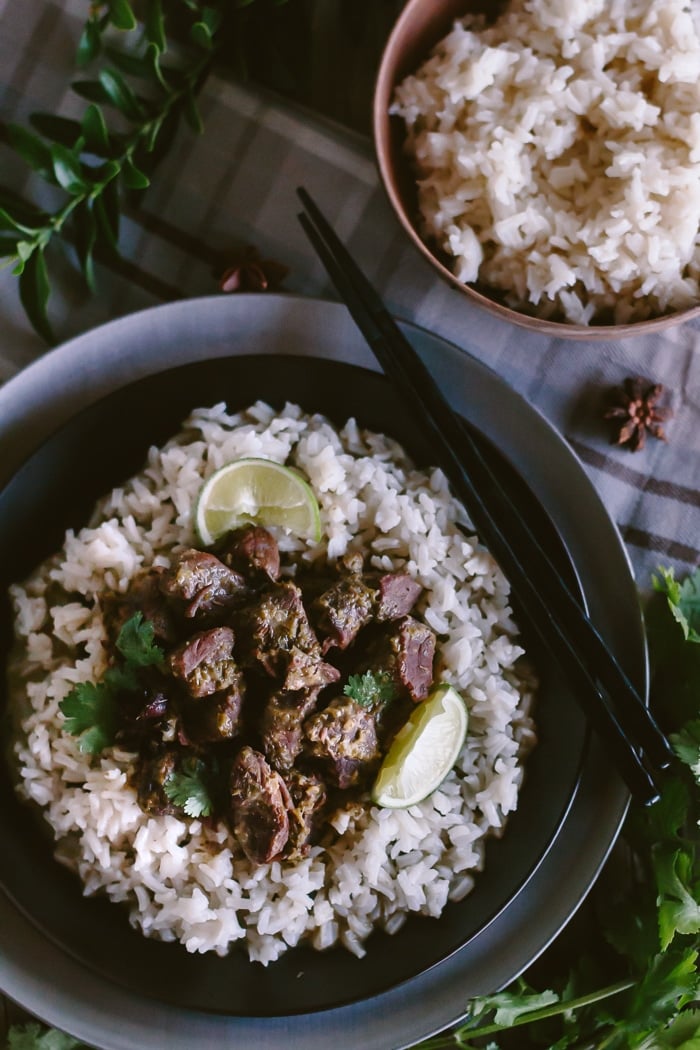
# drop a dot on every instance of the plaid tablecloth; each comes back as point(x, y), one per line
point(234, 186)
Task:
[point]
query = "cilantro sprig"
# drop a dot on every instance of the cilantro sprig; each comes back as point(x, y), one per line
point(91, 709)
point(370, 689)
point(189, 789)
point(636, 985)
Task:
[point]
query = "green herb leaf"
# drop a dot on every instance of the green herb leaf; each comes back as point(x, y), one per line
point(133, 177)
point(686, 744)
point(33, 1036)
point(121, 15)
point(34, 288)
point(90, 43)
point(68, 170)
point(154, 25)
point(136, 643)
point(188, 789)
point(94, 129)
point(120, 94)
point(679, 911)
point(370, 688)
point(91, 714)
point(85, 237)
point(683, 600)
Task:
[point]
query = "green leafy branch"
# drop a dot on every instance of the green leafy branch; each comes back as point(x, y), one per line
point(145, 85)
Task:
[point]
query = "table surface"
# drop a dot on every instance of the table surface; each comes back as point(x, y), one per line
point(234, 186)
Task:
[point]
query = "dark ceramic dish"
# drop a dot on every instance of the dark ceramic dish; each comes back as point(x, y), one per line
point(56, 489)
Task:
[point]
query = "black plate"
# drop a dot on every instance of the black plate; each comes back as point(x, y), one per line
point(56, 489)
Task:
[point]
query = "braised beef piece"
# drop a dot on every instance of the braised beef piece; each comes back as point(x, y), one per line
point(152, 773)
point(252, 551)
point(202, 584)
point(144, 596)
point(344, 738)
point(204, 663)
point(210, 719)
point(281, 726)
point(398, 593)
point(276, 622)
point(406, 651)
point(303, 671)
point(308, 795)
point(342, 611)
point(260, 803)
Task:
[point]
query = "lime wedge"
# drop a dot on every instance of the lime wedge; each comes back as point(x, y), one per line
point(259, 491)
point(423, 751)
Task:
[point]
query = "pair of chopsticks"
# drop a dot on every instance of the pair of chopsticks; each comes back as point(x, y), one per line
point(613, 706)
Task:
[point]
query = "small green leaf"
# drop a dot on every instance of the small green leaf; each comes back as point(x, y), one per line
point(32, 149)
point(90, 712)
point(95, 131)
point(370, 688)
point(85, 237)
point(92, 90)
point(34, 289)
point(120, 94)
point(90, 43)
point(201, 35)
point(58, 129)
point(683, 600)
point(107, 215)
point(68, 170)
point(679, 911)
point(136, 642)
point(121, 15)
point(132, 65)
point(24, 250)
point(132, 177)
point(188, 789)
point(33, 1036)
point(154, 25)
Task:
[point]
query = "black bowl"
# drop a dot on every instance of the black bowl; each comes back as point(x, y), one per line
point(56, 489)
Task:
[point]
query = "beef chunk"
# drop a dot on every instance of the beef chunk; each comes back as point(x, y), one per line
point(343, 610)
point(406, 651)
point(204, 663)
point(252, 551)
point(281, 727)
point(260, 803)
point(151, 775)
point(219, 716)
point(344, 737)
point(145, 596)
point(202, 583)
point(275, 623)
point(398, 593)
point(308, 800)
point(304, 671)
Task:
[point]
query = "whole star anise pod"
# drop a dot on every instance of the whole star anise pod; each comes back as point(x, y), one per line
point(250, 273)
point(636, 412)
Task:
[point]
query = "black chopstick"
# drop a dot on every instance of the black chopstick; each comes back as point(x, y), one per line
point(609, 698)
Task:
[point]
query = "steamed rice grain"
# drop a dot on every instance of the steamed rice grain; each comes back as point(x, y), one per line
point(557, 153)
point(187, 880)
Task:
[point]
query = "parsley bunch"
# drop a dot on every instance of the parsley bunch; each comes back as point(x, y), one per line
point(636, 985)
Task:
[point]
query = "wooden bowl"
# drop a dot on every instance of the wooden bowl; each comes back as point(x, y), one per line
point(420, 26)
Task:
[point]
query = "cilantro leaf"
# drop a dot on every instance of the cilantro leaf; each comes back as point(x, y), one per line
point(91, 713)
point(370, 688)
point(686, 744)
point(34, 1036)
point(683, 600)
point(135, 642)
point(188, 789)
point(679, 911)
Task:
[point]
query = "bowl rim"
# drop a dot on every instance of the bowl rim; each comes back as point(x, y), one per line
point(384, 127)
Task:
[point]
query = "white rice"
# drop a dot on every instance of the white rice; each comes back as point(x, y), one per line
point(184, 880)
point(558, 155)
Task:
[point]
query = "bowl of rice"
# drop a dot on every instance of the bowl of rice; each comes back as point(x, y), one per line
point(545, 158)
point(391, 914)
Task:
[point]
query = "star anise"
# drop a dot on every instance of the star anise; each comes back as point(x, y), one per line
point(250, 273)
point(636, 412)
